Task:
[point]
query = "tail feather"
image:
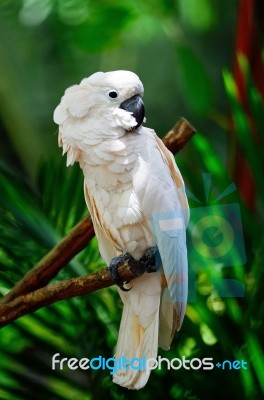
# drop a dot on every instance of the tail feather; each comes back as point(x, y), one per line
point(167, 324)
point(134, 341)
point(149, 320)
point(139, 331)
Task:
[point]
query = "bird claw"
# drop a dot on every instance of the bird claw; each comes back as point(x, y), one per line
point(115, 263)
point(151, 260)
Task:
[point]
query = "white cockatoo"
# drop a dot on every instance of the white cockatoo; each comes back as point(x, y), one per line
point(136, 197)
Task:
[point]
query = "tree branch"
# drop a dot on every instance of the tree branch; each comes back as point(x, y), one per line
point(178, 136)
point(73, 287)
point(54, 261)
point(31, 293)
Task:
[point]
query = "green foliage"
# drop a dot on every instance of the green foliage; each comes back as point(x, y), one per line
point(31, 223)
point(249, 143)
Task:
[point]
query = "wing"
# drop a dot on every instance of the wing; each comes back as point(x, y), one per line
point(108, 246)
point(170, 231)
point(177, 178)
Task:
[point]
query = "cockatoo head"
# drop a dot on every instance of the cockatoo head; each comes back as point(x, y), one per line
point(104, 106)
point(116, 95)
point(121, 93)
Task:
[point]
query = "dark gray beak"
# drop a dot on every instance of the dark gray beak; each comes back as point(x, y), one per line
point(135, 106)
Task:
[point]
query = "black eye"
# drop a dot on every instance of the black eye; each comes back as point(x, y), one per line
point(113, 94)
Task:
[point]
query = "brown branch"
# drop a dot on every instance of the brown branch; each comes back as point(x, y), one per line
point(31, 293)
point(54, 261)
point(73, 287)
point(179, 135)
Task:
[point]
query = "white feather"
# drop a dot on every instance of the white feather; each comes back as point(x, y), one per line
point(128, 177)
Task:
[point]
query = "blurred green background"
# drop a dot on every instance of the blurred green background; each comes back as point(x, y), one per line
point(201, 59)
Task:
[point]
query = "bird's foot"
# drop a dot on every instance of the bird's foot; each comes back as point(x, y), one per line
point(116, 262)
point(151, 260)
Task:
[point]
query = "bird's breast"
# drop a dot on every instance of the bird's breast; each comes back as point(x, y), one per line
point(110, 173)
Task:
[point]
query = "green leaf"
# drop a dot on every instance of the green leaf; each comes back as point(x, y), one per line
point(245, 133)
